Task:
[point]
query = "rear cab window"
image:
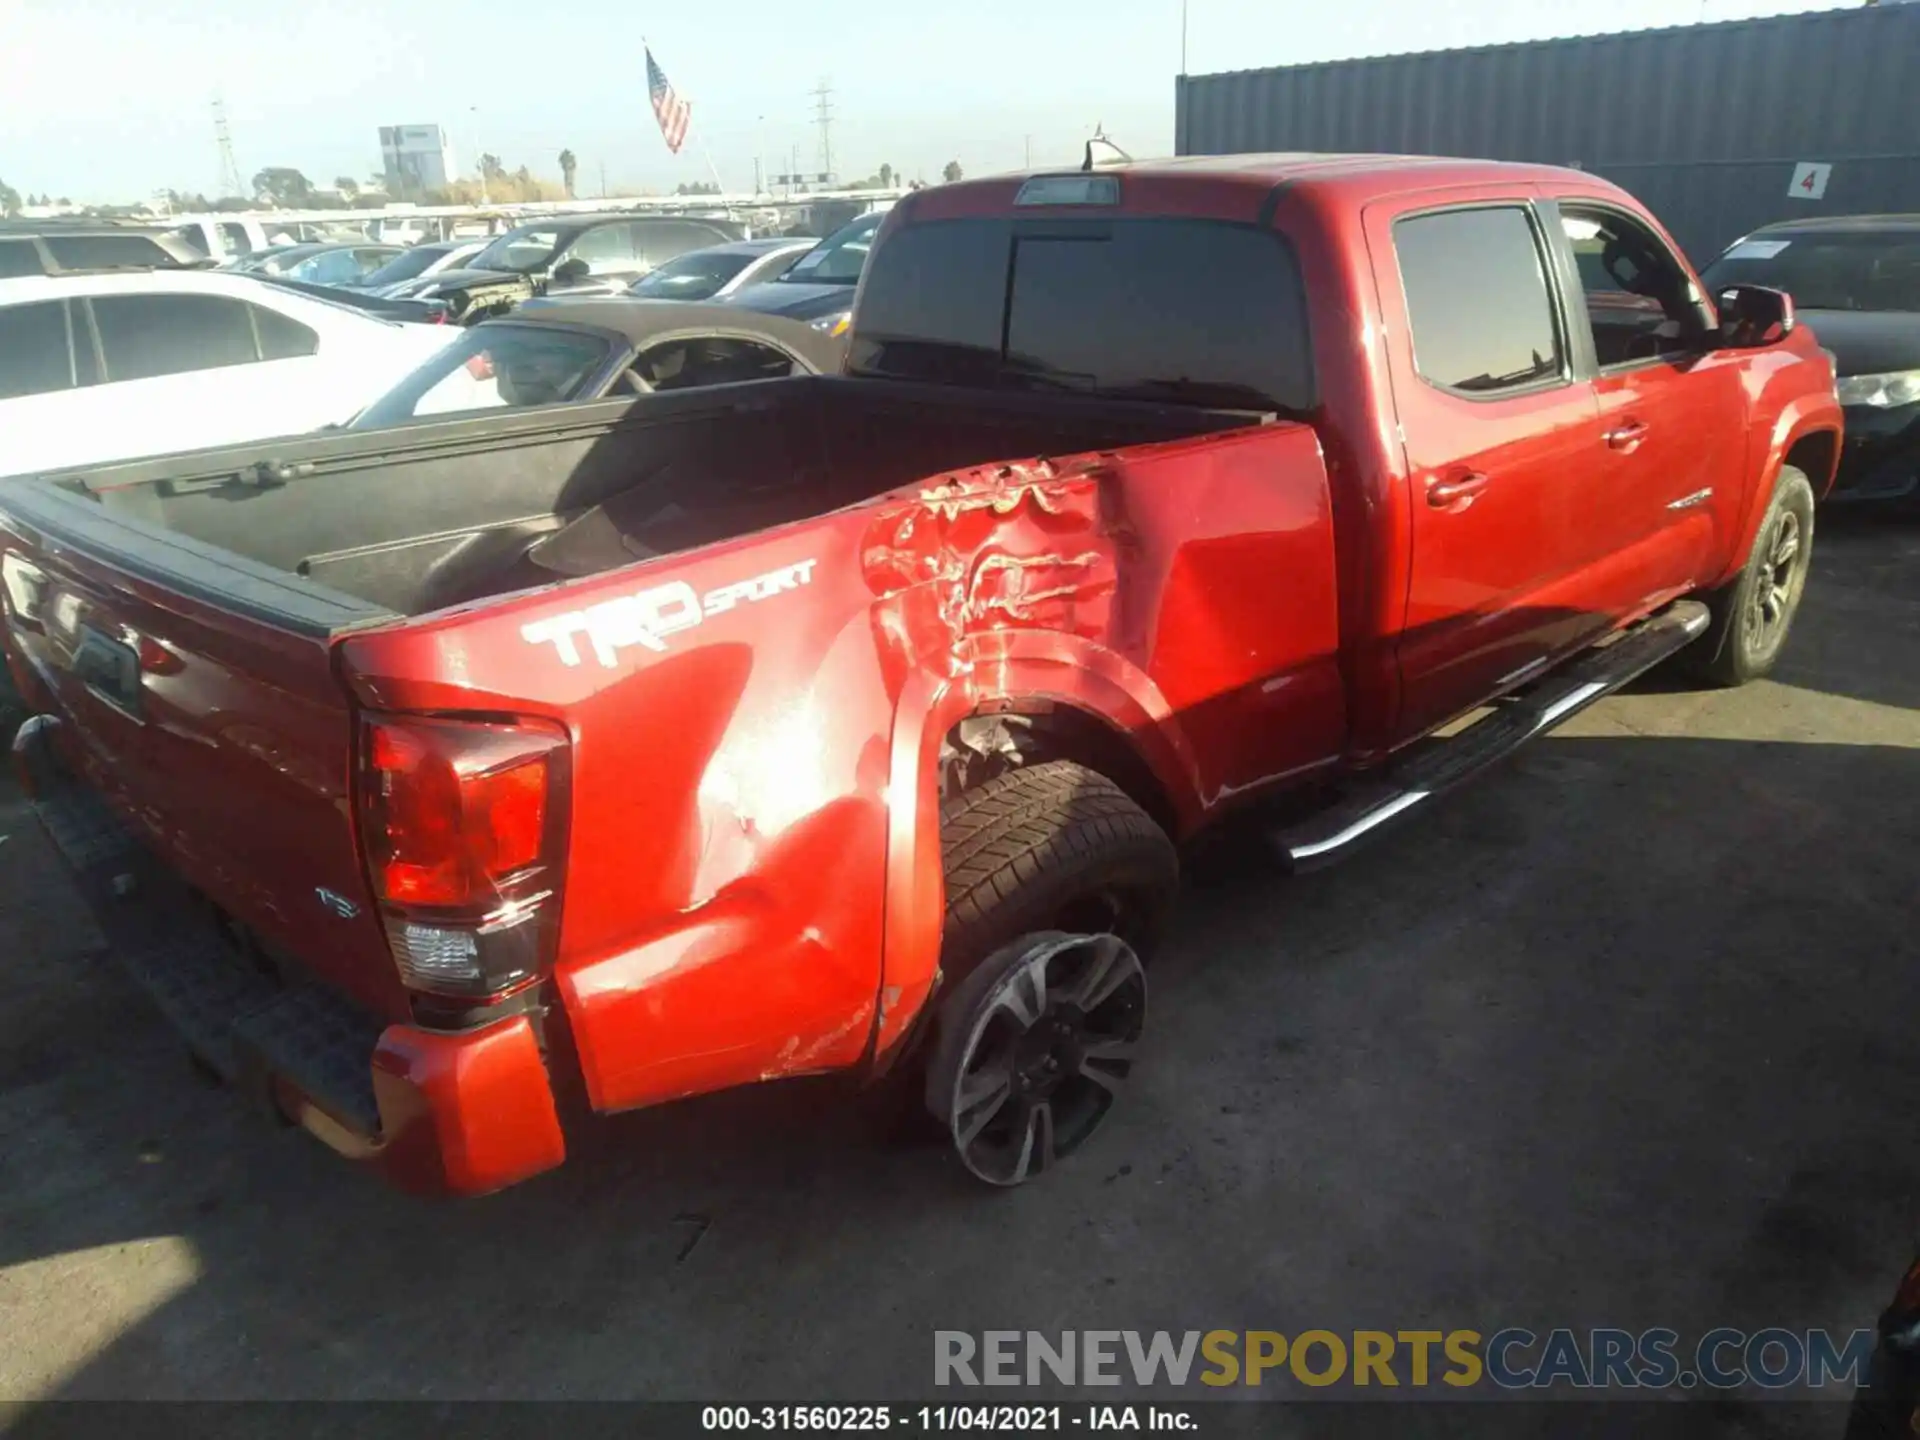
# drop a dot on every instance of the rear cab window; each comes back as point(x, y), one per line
point(1183, 311)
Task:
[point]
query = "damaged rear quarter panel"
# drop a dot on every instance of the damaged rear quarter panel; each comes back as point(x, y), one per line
point(753, 884)
point(1184, 593)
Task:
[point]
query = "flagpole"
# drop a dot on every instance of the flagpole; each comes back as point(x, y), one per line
point(712, 169)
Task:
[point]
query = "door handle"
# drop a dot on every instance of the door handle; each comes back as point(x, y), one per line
point(1442, 493)
point(1627, 436)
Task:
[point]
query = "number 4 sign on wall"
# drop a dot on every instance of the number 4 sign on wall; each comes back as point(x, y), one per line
point(1809, 181)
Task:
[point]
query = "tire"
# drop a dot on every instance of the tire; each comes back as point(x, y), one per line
point(1058, 885)
point(1050, 847)
point(1753, 614)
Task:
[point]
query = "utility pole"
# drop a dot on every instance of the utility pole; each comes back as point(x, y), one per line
point(1183, 34)
point(479, 155)
point(1029, 152)
point(230, 182)
point(823, 117)
point(603, 179)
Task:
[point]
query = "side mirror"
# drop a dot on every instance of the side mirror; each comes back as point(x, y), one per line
point(1753, 315)
point(570, 272)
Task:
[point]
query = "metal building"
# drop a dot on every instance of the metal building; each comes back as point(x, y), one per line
point(1717, 128)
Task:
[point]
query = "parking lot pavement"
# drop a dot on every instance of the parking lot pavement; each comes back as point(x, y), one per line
point(1623, 1036)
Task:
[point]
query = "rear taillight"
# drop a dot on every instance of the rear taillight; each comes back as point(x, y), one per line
point(464, 828)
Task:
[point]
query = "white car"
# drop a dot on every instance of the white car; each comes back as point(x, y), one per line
point(106, 367)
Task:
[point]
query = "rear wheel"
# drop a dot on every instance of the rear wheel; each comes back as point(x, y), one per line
point(1046, 1034)
point(1753, 615)
point(1057, 887)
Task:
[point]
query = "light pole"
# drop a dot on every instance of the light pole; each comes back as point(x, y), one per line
point(1183, 37)
point(479, 155)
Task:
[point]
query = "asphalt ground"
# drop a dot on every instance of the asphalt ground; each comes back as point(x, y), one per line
point(1623, 1036)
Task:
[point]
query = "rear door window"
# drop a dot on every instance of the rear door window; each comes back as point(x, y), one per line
point(1184, 311)
point(36, 353)
point(18, 258)
point(143, 336)
point(1477, 299)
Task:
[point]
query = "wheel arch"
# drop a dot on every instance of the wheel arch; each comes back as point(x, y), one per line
point(1101, 721)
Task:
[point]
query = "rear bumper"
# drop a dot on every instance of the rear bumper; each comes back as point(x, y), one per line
point(458, 1113)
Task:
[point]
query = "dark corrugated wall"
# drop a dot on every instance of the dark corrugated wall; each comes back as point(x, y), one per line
point(1704, 123)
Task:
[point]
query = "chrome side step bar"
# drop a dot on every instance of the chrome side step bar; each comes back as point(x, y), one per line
point(1435, 766)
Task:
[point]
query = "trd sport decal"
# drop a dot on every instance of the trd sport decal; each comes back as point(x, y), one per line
point(647, 618)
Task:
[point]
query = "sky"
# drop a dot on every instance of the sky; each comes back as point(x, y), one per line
point(111, 100)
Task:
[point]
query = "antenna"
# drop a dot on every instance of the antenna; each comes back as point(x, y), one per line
point(823, 117)
point(230, 182)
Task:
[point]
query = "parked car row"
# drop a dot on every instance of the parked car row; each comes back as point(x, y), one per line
point(1856, 282)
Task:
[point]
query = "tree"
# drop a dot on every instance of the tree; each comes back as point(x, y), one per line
point(348, 187)
point(491, 168)
point(9, 199)
point(698, 187)
point(952, 172)
point(284, 186)
point(568, 167)
point(63, 200)
point(886, 177)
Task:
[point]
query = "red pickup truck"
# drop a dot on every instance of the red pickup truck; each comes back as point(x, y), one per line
point(451, 782)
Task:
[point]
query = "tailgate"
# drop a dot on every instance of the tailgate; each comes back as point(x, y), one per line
point(196, 692)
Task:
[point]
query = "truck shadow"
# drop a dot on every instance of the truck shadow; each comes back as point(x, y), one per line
point(1620, 1036)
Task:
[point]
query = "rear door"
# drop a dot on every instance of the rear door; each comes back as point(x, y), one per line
point(1498, 430)
point(186, 371)
point(1668, 407)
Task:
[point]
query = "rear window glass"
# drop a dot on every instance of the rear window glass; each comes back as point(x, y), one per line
point(1825, 270)
point(494, 367)
point(1185, 311)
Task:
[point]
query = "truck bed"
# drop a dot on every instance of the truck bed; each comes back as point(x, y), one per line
point(374, 525)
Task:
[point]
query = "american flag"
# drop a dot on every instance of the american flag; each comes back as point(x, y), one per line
point(668, 108)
